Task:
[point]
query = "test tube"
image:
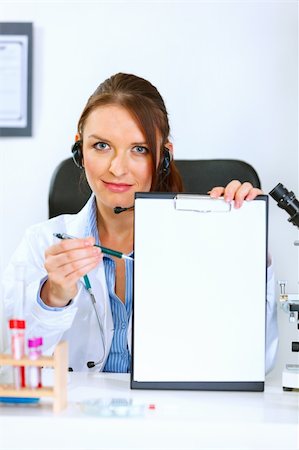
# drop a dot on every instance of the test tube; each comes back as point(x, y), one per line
point(17, 325)
point(17, 329)
point(34, 352)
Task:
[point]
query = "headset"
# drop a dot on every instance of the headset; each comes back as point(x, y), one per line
point(77, 154)
point(164, 165)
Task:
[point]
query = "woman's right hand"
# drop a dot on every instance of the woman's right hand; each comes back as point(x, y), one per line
point(66, 262)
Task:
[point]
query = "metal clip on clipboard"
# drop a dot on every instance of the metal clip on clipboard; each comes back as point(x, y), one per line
point(201, 203)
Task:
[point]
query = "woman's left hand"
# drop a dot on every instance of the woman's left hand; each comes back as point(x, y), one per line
point(237, 191)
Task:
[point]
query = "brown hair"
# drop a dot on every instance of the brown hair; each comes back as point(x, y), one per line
point(146, 105)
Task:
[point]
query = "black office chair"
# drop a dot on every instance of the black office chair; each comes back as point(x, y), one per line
point(69, 190)
point(201, 175)
point(68, 194)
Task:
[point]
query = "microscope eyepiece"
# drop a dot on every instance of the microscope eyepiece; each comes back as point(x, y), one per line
point(287, 201)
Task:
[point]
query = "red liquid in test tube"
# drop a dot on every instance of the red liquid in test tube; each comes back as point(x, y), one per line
point(17, 329)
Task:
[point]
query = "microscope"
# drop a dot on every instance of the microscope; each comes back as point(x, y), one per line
point(289, 302)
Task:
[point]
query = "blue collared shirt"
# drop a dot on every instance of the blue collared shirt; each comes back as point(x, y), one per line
point(119, 358)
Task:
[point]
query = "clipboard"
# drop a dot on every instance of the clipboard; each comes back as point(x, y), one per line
point(199, 305)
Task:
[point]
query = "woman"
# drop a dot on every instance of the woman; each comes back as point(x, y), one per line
point(123, 146)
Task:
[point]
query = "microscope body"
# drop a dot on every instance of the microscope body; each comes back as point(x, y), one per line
point(290, 304)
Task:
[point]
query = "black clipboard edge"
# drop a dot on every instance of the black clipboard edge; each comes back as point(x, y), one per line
point(253, 386)
point(153, 194)
point(256, 386)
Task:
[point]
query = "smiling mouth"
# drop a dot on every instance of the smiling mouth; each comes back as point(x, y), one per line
point(117, 187)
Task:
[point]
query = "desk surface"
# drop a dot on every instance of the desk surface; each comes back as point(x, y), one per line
point(176, 419)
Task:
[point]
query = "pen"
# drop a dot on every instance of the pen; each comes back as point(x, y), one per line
point(105, 250)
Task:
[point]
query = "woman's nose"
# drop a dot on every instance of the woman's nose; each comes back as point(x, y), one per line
point(118, 165)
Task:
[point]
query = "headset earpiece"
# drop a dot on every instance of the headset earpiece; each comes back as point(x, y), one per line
point(77, 154)
point(165, 163)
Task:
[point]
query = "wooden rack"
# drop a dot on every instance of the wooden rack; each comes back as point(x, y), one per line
point(59, 361)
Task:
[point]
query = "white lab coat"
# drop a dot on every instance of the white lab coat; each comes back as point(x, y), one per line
point(77, 322)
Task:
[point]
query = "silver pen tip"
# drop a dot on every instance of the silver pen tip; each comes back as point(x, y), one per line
point(128, 257)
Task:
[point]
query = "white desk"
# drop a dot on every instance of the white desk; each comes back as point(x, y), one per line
point(180, 420)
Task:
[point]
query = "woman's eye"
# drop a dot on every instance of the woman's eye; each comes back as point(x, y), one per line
point(140, 149)
point(101, 146)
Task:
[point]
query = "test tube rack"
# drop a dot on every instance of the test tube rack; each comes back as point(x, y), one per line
point(59, 361)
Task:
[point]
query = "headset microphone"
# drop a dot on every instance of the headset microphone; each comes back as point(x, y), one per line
point(119, 209)
point(91, 364)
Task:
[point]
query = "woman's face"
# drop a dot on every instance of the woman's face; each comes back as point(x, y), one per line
point(116, 158)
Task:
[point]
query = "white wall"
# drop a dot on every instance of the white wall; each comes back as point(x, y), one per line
point(228, 72)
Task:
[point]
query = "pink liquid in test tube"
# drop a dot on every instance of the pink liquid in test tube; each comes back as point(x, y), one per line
point(34, 347)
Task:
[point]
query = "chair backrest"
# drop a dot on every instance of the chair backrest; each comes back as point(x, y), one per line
point(68, 194)
point(201, 175)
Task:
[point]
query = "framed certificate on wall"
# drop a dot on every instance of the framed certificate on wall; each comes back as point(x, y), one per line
point(15, 79)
